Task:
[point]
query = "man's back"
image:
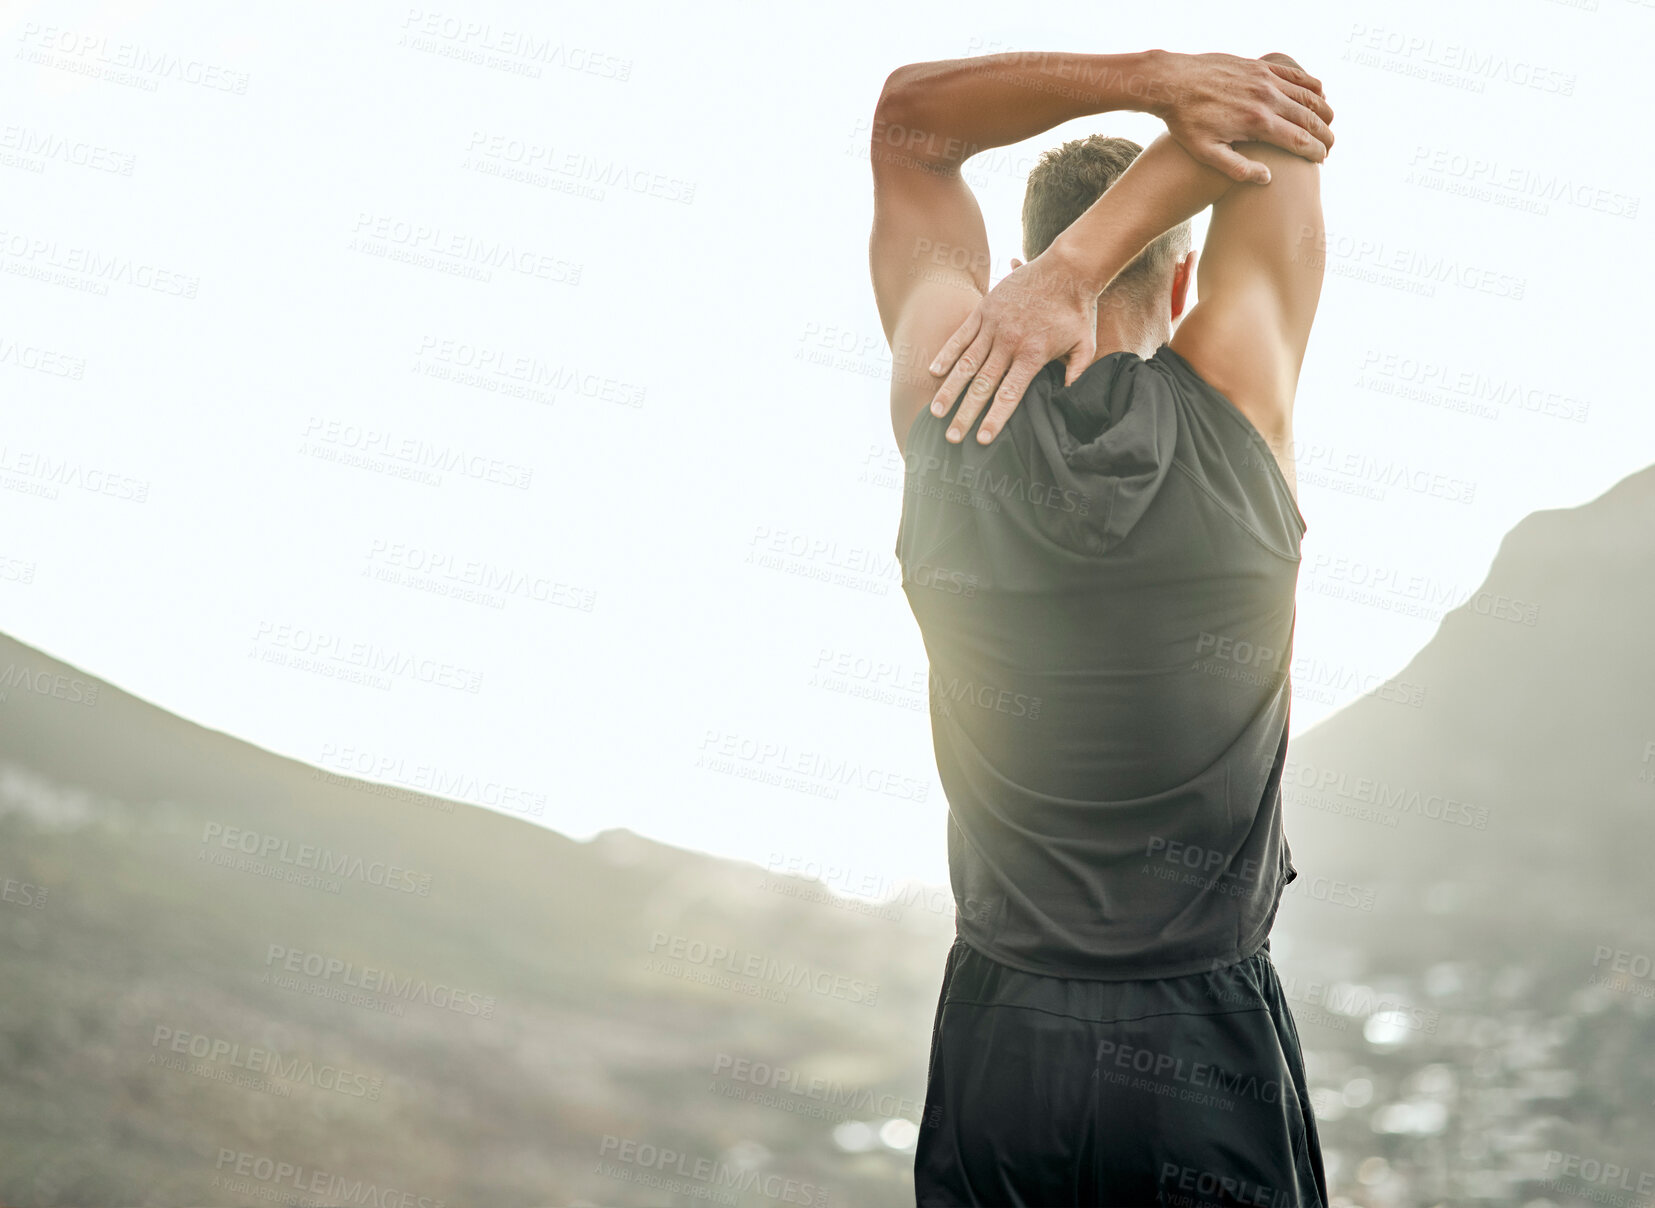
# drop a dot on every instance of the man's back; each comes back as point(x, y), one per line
point(1106, 598)
point(1104, 580)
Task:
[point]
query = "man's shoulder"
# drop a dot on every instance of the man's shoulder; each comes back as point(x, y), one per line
point(1251, 423)
point(1203, 361)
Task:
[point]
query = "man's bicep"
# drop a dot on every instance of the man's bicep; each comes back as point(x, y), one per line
point(1258, 282)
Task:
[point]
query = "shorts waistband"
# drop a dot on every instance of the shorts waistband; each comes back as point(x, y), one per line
point(1250, 984)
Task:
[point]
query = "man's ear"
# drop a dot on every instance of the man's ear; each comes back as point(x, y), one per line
point(1016, 264)
point(1182, 274)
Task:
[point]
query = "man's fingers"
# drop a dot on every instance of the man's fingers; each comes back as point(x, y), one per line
point(1295, 104)
point(965, 366)
point(1080, 357)
point(1280, 132)
point(1306, 108)
point(1234, 164)
point(981, 387)
point(1295, 75)
point(1318, 103)
point(1308, 121)
point(963, 335)
point(1029, 362)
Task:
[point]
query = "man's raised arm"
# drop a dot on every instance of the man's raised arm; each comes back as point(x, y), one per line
point(953, 108)
point(1259, 279)
point(928, 252)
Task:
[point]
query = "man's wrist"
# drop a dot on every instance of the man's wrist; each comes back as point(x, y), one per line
point(1072, 267)
point(1160, 68)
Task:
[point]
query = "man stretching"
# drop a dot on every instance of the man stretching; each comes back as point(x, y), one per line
point(1104, 578)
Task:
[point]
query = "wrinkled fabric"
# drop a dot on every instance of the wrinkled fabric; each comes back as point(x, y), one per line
point(1106, 596)
point(1187, 1092)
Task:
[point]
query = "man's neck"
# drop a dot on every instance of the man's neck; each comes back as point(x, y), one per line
point(1121, 329)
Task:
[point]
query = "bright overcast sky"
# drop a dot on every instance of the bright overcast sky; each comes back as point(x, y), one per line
point(606, 267)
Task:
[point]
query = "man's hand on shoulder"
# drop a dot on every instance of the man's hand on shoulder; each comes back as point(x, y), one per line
point(1041, 311)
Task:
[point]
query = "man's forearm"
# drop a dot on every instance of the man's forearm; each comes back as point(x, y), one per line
point(947, 111)
point(1162, 187)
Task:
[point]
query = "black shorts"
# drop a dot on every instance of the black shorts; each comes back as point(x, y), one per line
point(1187, 1092)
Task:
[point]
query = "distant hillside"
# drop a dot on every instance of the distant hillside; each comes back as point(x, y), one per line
point(532, 1024)
point(1536, 723)
point(234, 979)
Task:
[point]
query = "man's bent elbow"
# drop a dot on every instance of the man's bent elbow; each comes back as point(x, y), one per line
point(895, 89)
